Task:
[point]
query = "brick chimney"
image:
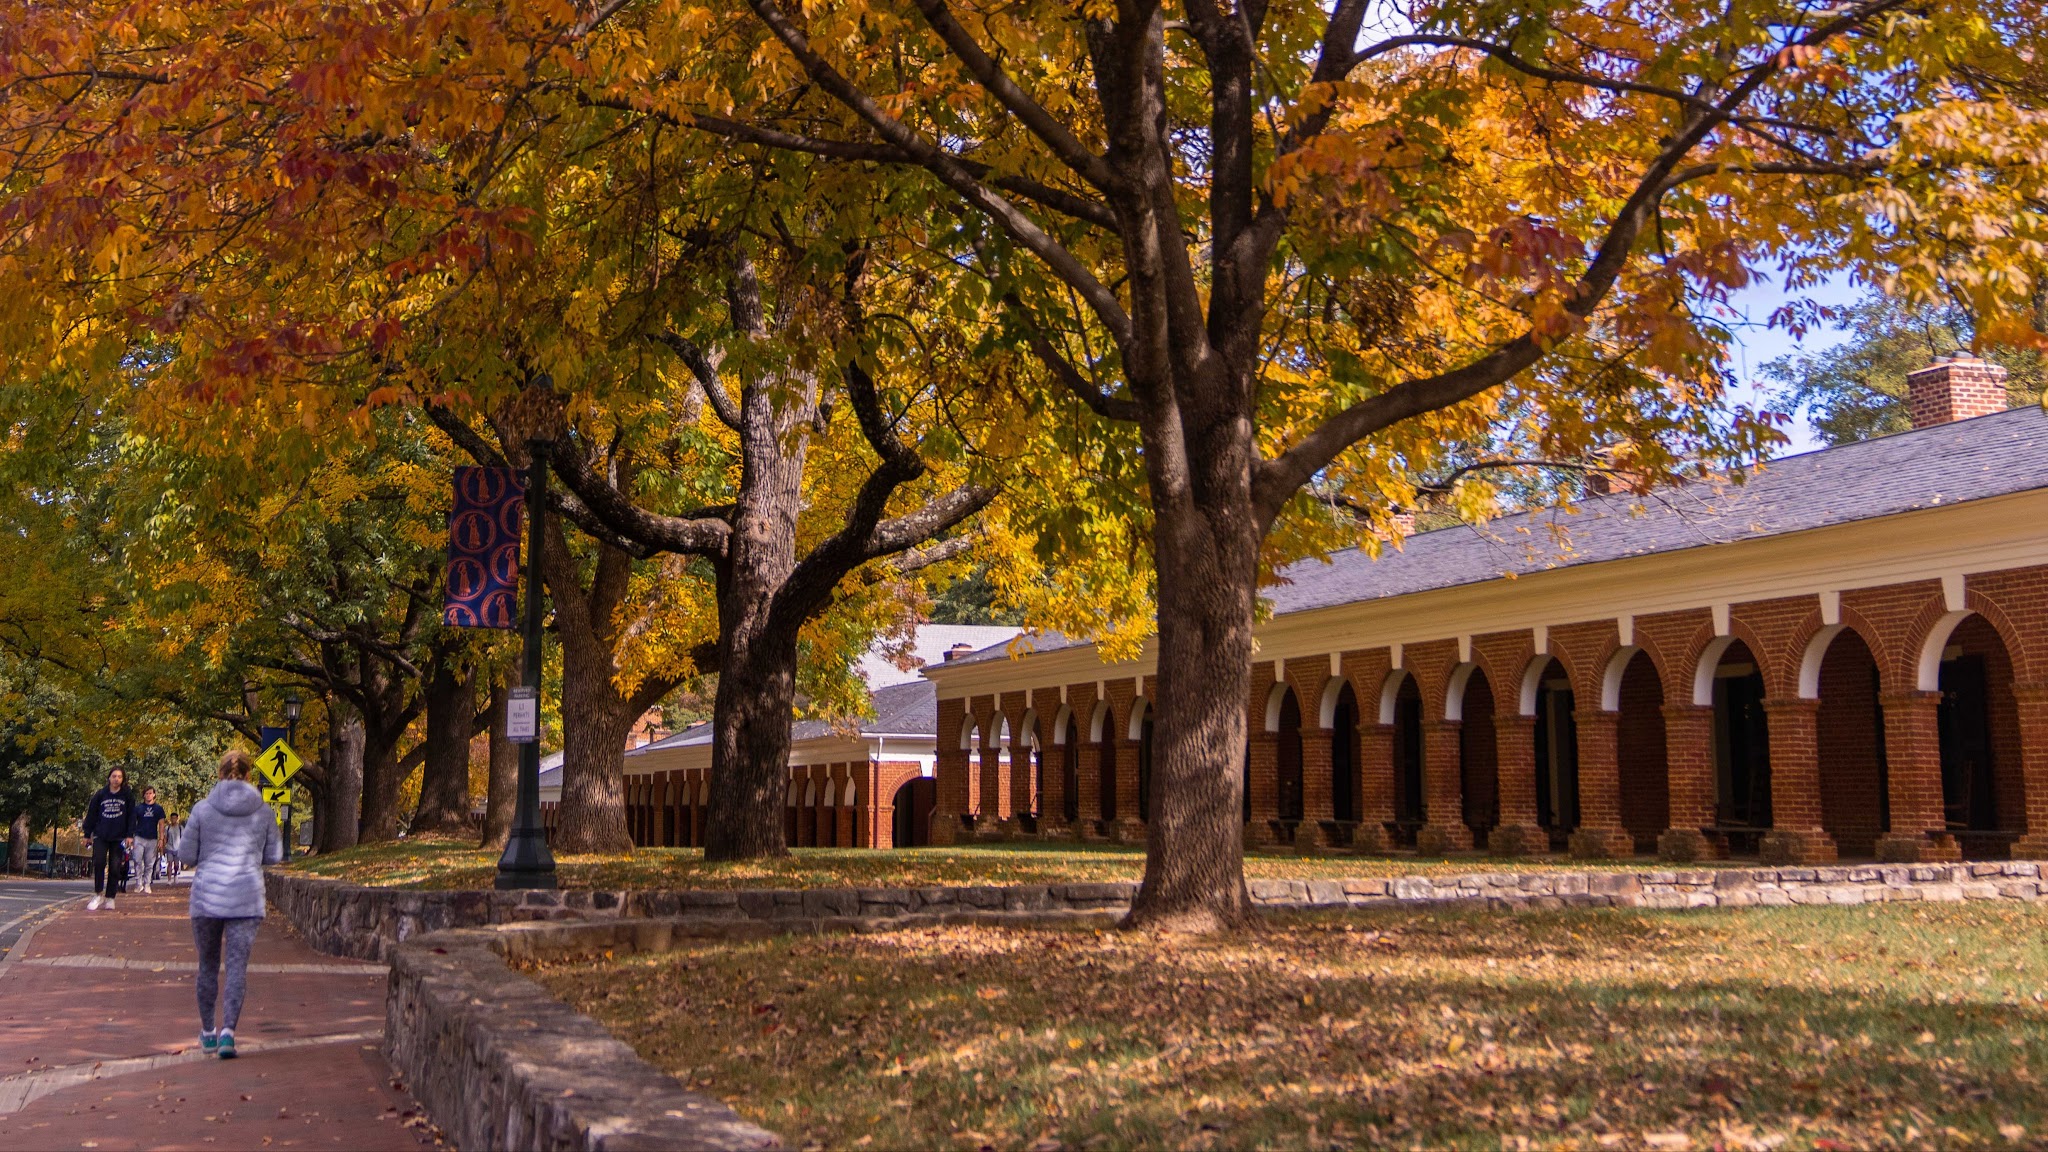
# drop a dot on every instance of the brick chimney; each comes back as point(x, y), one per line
point(1954, 388)
point(959, 650)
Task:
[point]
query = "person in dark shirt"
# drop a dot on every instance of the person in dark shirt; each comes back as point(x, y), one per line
point(148, 830)
point(109, 822)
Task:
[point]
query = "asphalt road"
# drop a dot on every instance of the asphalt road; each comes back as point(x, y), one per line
point(24, 903)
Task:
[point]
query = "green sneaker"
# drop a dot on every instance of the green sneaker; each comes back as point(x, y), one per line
point(227, 1044)
point(209, 1043)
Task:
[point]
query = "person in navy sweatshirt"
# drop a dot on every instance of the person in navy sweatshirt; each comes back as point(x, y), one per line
point(147, 828)
point(109, 822)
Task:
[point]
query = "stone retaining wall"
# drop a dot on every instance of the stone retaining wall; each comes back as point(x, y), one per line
point(500, 1063)
point(345, 919)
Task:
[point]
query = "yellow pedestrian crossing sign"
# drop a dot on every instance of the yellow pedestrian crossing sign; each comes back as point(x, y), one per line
point(280, 797)
point(278, 764)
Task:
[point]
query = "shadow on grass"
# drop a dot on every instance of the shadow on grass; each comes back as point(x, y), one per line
point(1443, 1027)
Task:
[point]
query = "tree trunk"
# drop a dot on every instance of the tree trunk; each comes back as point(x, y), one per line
point(380, 785)
point(335, 806)
point(501, 794)
point(750, 717)
point(1206, 535)
point(444, 776)
point(596, 720)
point(17, 842)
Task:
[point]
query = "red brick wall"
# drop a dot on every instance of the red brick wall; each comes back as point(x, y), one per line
point(1851, 784)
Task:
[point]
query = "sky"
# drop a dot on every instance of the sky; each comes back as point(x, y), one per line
point(1757, 344)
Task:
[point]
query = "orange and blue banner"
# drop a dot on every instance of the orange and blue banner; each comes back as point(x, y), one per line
point(483, 548)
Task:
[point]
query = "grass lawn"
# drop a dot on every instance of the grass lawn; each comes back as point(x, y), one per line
point(438, 862)
point(1797, 1028)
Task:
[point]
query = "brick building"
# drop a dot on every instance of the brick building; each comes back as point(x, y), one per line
point(865, 783)
point(1844, 656)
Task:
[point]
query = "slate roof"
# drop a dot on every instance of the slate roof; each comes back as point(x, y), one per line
point(1953, 463)
point(899, 710)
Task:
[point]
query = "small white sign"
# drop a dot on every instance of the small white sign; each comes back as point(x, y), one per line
point(522, 716)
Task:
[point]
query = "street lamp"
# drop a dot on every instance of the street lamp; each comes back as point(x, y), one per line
point(292, 706)
point(527, 862)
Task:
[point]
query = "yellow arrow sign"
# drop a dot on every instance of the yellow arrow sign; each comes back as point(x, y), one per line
point(277, 796)
point(279, 764)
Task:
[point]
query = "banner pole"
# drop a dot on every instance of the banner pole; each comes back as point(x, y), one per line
point(528, 862)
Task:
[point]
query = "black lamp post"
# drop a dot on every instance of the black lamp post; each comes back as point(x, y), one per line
point(527, 862)
point(292, 707)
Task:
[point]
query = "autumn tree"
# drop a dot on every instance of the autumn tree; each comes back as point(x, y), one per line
point(1292, 243)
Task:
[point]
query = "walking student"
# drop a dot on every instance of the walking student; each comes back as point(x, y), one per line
point(229, 837)
point(148, 830)
point(109, 819)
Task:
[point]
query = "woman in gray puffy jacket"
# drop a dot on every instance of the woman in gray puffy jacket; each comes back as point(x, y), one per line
point(229, 837)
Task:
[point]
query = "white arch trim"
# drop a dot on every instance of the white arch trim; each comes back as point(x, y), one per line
point(1326, 712)
point(1098, 721)
point(791, 797)
point(1390, 694)
point(1060, 721)
point(1027, 731)
point(831, 793)
point(1532, 681)
point(1809, 664)
point(810, 793)
point(1454, 696)
point(1003, 733)
point(704, 792)
point(1703, 675)
point(968, 741)
point(1928, 677)
point(1140, 709)
point(1274, 697)
point(1617, 670)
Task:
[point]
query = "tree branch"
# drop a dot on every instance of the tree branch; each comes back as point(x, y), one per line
point(706, 373)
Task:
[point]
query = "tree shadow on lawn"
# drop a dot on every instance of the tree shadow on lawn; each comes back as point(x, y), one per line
point(1449, 1027)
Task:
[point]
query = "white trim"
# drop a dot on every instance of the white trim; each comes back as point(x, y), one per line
point(1721, 624)
point(1703, 672)
point(1003, 732)
point(1987, 535)
point(1830, 608)
point(1465, 648)
point(1096, 721)
point(1029, 728)
point(969, 734)
point(1816, 654)
point(1274, 696)
point(1060, 720)
point(1394, 655)
point(1454, 695)
point(1140, 708)
point(1326, 711)
point(1336, 664)
point(1928, 677)
point(1615, 673)
point(1390, 694)
point(831, 799)
point(1625, 627)
point(1953, 591)
point(1532, 680)
point(1540, 636)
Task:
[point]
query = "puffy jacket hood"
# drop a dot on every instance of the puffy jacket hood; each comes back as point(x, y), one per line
point(235, 798)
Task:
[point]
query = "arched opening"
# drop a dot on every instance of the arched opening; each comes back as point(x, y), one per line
point(1033, 766)
point(807, 816)
point(1410, 809)
point(1557, 755)
point(1070, 773)
point(1641, 769)
point(1849, 745)
point(1344, 757)
point(1144, 727)
point(790, 823)
point(1288, 795)
point(1742, 749)
point(1981, 786)
point(828, 817)
point(970, 742)
point(1479, 758)
point(911, 823)
point(1105, 776)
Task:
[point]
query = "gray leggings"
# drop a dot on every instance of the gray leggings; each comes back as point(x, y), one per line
point(209, 933)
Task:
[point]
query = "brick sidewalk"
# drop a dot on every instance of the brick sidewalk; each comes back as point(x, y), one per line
point(99, 1038)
